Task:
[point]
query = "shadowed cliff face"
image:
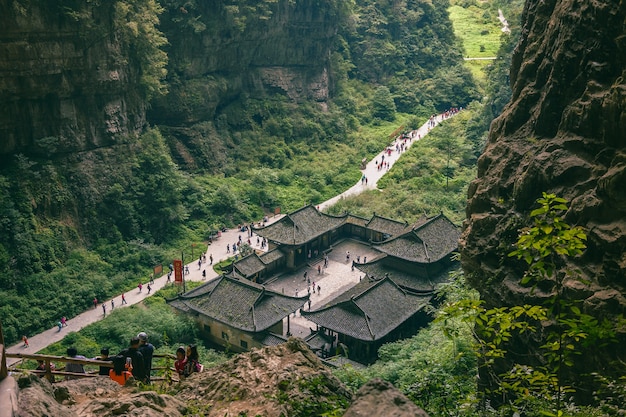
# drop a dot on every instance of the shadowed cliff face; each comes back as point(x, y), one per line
point(64, 87)
point(563, 132)
point(219, 52)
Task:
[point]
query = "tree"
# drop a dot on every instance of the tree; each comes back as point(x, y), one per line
point(559, 325)
point(383, 105)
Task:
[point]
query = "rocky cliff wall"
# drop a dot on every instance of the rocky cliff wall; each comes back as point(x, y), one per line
point(563, 132)
point(66, 83)
point(220, 52)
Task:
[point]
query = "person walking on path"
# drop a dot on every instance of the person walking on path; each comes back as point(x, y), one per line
point(151, 278)
point(112, 304)
point(124, 299)
point(64, 321)
point(211, 259)
point(25, 340)
point(140, 286)
point(95, 303)
point(104, 310)
point(149, 289)
point(59, 325)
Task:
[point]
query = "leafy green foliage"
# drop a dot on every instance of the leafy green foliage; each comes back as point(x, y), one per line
point(417, 184)
point(410, 47)
point(383, 104)
point(137, 22)
point(562, 328)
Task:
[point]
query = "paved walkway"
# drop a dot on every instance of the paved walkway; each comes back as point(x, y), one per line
point(372, 173)
point(333, 282)
point(335, 279)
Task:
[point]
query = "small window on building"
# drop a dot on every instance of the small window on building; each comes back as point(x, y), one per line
point(224, 335)
point(244, 344)
point(207, 328)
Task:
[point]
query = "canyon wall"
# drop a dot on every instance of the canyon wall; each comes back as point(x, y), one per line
point(220, 52)
point(563, 132)
point(66, 84)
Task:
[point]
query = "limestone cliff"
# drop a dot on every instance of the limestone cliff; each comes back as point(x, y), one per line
point(563, 132)
point(67, 83)
point(222, 50)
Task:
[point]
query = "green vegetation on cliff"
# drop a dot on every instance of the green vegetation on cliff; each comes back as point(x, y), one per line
point(223, 151)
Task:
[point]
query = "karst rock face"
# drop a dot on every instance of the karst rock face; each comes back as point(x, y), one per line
point(71, 79)
point(64, 87)
point(564, 132)
point(220, 54)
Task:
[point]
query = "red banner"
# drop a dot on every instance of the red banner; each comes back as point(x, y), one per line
point(178, 270)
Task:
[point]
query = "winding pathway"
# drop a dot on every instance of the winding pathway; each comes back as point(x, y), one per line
point(217, 249)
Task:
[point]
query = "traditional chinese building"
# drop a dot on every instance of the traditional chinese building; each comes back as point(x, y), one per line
point(387, 305)
point(370, 314)
point(303, 234)
point(238, 314)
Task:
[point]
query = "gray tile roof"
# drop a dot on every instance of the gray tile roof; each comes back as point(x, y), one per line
point(410, 282)
point(441, 237)
point(359, 221)
point(271, 256)
point(270, 339)
point(372, 314)
point(249, 265)
point(300, 226)
point(428, 243)
point(387, 226)
point(240, 304)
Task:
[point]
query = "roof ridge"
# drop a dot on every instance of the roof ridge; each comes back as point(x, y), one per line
point(431, 220)
point(367, 319)
point(389, 219)
point(252, 307)
point(386, 277)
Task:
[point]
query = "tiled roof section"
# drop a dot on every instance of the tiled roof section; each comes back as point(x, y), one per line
point(316, 341)
point(388, 226)
point(430, 242)
point(359, 221)
point(300, 226)
point(377, 271)
point(410, 282)
point(249, 265)
point(203, 289)
point(271, 256)
point(422, 220)
point(441, 236)
point(270, 339)
point(371, 315)
point(240, 304)
point(407, 246)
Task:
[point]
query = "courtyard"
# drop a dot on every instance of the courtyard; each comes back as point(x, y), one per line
point(335, 279)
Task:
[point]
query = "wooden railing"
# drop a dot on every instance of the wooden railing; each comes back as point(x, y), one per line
point(3, 359)
point(165, 371)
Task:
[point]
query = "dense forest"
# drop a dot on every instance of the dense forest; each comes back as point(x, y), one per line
point(84, 225)
point(79, 225)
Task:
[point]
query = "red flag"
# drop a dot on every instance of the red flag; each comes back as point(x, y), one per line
point(178, 270)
